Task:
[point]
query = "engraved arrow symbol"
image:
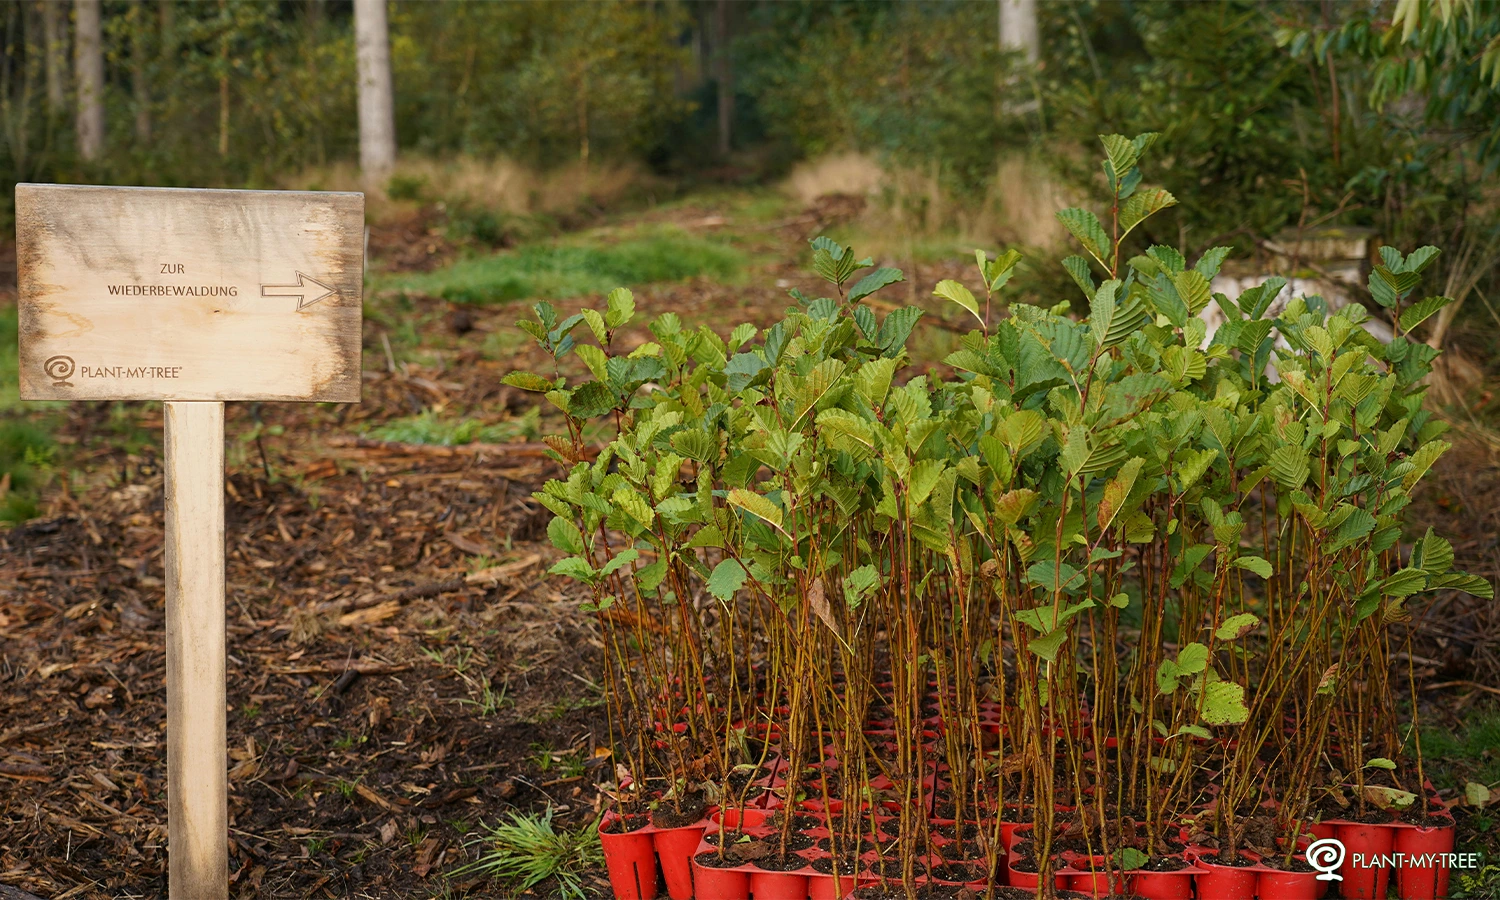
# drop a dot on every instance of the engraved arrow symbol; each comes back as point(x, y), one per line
point(306, 293)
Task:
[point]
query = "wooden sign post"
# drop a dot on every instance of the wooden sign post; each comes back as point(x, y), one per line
point(192, 297)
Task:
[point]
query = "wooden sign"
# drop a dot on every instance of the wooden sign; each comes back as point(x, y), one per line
point(173, 294)
point(191, 297)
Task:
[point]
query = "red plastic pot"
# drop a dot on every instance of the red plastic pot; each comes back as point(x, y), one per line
point(1163, 885)
point(1429, 879)
point(631, 860)
point(1224, 882)
point(778, 886)
point(830, 887)
point(724, 884)
point(1099, 882)
point(1008, 834)
point(1278, 885)
point(1030, 880)
point(1365, 876)
point(739, 818)
point(675, 848)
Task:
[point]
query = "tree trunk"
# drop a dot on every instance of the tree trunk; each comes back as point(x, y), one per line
point(55, 34)
point(140, 71)
point(377, 108)
point(88, 65)
point(167, 23)
point(224, 79)
point(1018, 28)
point(725, 77)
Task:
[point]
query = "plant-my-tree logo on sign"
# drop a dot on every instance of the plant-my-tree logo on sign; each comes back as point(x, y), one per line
point(60, 369)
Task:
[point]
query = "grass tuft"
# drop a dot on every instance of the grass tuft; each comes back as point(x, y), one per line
point(528, 850)
point(428, 427)
point(558, 271)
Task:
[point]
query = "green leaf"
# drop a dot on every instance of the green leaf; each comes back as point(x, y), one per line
point(1085, 226)
point(1224, 704)
point(1141, 206)
point(596, 325)
point(1166, 676)
point(633, 505)
point(1197, 731)
point(565, 536)
point(596, 359)
point(1048, 644)
point(575, 567)
point(708, 536)
point(1389, 288)
point(757, 505)
point(1082, 275)
point(651, 577)
point(1192, 659)
point(1289, 466)
point(859, 583)
point(527, 381)
point(1420, 311)
point(623, 559)
point(1128, 858)
point(1236, 627)
point(949, 289)
point(1014, 504)
point(727, 577)
point(1123, 154)
point(696, 444)
point(1258, 565)
point(590, 399)
point(1380, 762)
point(621, 307)
point(1433, 554)
point(896, 328)
point(997, 272)
point(1469, 584)
point(874, 282)
point(746, 370)
point(1102, 311)
point(1419, 259)
point(1404, 583)
point(1042, 619)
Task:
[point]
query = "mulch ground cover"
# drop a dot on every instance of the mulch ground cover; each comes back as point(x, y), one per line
point(400, 667)
point(384, 693)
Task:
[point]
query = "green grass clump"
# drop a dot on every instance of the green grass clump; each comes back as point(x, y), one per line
point(428, 427)
point(528, 850)
point(558, 270)
point(26, 445)
point(1458, 756)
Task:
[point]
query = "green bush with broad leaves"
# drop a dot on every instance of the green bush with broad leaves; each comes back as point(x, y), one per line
point(1109, 521)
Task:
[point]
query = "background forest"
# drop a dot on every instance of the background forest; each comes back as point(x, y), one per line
point(404, 674)
point(1290, 111)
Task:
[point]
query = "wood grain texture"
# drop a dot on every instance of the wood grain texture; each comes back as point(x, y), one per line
point(173, 294)
point(197, 764)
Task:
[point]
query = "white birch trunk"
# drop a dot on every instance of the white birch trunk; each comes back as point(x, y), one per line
point(1018, 28)
point(377, 109)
